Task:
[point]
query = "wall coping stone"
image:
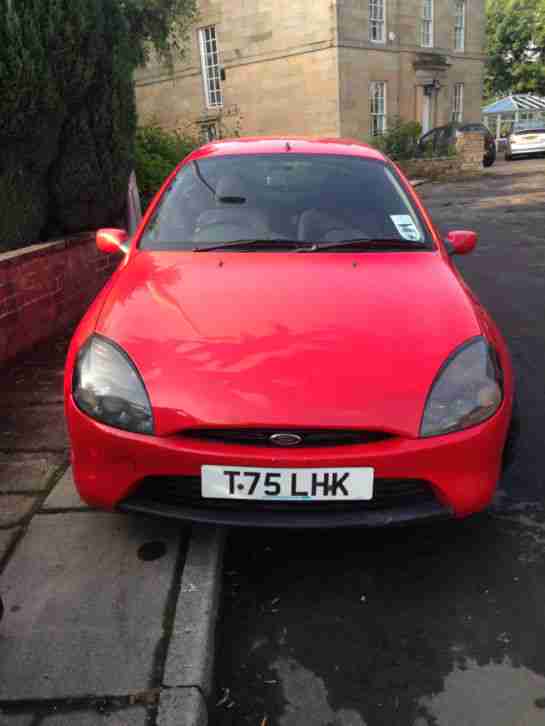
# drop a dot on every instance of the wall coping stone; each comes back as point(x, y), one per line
point(42, 249)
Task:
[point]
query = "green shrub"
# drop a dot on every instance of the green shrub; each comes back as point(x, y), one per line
point(68, 117)
point(157, 152)
point(41, 66)
point(88, 180)
point(400, 140)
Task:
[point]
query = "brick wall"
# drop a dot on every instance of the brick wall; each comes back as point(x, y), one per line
point(46, 287)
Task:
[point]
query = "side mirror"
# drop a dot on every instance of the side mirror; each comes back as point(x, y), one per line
point(461, 243)
point(112, 241)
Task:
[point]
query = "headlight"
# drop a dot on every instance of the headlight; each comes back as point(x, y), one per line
point(107, 387)
point(467, 390)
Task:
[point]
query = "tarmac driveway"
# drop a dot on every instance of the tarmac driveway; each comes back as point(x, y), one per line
point(425, 626)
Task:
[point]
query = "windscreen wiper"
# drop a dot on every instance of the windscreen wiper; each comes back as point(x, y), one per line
point(252, 244)
point(369, 243)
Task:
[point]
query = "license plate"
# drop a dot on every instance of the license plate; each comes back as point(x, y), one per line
point(307, 485)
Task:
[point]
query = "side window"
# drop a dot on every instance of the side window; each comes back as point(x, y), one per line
point(426, 24)
point(460, 25)
point(443, 140)
point(210, 66)
point(377, 107)
point(377, 22)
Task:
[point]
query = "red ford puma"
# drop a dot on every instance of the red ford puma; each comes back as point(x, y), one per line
point(287, 343)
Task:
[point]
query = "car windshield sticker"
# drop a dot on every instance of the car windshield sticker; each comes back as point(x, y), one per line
point(405, 226)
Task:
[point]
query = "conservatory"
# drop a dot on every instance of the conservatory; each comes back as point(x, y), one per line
point(502, 115)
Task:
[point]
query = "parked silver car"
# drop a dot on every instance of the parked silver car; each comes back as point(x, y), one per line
point(525, 138)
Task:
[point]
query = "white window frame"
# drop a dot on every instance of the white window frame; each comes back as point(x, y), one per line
point(210, 66)
point(458, 103)
point(426, 24)
point(460, 25)
point(377, 21)
point(378, 107)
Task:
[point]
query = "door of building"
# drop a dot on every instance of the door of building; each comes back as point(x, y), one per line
point(426, 113)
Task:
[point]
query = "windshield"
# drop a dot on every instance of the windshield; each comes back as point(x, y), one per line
point(295, 198)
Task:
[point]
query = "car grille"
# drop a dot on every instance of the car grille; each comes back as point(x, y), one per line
point(185, 491)
point(310, 437)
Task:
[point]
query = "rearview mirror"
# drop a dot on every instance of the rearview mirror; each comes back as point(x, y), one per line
point(112, 241)
point(461, 242)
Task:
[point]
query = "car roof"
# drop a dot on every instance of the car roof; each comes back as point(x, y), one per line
point(286, 144)
point(457, 125)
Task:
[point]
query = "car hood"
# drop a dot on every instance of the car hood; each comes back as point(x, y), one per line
point(336, 340)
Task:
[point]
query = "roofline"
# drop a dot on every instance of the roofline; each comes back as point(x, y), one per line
point(285, 144)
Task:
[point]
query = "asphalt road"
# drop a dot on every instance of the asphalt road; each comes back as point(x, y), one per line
point(426, 626)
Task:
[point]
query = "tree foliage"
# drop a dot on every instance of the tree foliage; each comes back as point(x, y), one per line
point(68, 119)
point(400, 140)
point(157, 153)
point(158, 26)
point(515, 47)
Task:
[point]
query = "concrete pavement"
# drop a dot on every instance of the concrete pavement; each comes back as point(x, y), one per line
point(99, 629)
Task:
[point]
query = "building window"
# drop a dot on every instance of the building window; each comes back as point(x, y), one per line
point(458, 109)
point(377, 107)
point(460, 25)
point(377, 21)
point(211, 70)
point(426, 38)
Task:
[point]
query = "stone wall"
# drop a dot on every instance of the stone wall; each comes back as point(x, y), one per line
point(405, 65)
point(280, 64)
point(433, 169)
point(470, 149)
point(45, 287)
point(467, 162)
point(304, 67)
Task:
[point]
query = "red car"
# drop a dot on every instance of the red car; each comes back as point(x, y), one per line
point(287, 343)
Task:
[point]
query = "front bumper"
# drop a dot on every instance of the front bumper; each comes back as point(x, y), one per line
point(460, 472)
point(361, 517)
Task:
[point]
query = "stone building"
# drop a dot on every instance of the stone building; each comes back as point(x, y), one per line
point(322, 67)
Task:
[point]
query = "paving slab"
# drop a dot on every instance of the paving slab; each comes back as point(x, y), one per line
point(132, 716)
point(7, 537)
point(21, 472)
point(85, 613)
point(64, 495)
point(14, 509)
point(19, 719)
point(34, 428)
point(34, 384)
point(135, 716)
point(182, 707)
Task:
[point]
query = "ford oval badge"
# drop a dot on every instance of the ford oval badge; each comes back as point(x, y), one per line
point(286, 439)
